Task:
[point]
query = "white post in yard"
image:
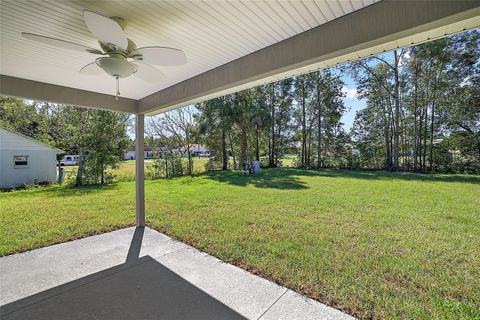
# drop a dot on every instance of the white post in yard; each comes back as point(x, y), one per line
point(139, 170)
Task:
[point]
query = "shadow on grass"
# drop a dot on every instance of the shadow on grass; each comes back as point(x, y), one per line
point(386, 175)
point(290, 178)
point(277, 178)
point(269, 178)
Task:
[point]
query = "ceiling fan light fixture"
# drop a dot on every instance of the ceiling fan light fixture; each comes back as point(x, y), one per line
point(116, 67)
point(121, 58)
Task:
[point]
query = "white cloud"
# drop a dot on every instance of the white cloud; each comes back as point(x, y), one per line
point(404, 59)
point(350, 93)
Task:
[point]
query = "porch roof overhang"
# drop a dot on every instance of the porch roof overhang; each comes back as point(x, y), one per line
point(367, 28)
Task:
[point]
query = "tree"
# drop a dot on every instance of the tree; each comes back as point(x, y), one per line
point(373, 87)
point(177, 128)
point(213, 124)
point(329, 108)
point(106, 140)
point(438, 86)
point(280, 99)
point(26, 117)
point(303, 86)
point(242, 115)
point(389, 80)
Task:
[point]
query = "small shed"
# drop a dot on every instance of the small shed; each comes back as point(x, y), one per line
point(24, 160)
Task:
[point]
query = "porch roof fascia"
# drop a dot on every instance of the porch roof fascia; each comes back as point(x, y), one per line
point(41, 91)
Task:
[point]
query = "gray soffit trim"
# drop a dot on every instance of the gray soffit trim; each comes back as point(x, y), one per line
point(28, 89)
point(378, 24)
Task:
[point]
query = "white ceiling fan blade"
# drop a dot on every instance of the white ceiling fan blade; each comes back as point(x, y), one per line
point(59, 43)
point(160, 56)
point(105, 29)
point(148, 73)
point(92, 69)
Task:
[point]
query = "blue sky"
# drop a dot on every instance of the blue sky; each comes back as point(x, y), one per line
point(351, 102)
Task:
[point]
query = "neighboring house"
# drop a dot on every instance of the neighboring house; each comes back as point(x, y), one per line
point(24, 160)
point(196, 150)
point(130, 153)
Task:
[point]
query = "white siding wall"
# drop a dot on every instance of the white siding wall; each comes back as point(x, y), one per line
point(41, 167)
point(41, 160)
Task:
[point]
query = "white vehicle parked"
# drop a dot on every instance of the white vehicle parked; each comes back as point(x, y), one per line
point(69, 160)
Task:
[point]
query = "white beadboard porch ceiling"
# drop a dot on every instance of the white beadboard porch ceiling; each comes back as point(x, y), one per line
point(210, 32)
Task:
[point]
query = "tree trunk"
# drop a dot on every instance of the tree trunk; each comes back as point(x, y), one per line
point(270, 151)
point(166, 166)
point(79, 178)
point(387, 151)
point(190, 162)
point(81, 125)
point(415, 108)
point(304, 125)
point(309, 135)
point(405, 158)
point(224, 151)
point(280, 142)
point(272, 162)
point(232, 151)
point(419, 140)
point(257, 150)
point(243, 147)
point(431, 136)
point(224, 142)
point(189, 153)
point(425, 130)
point(389, 128)
point(319, 142)
point(102, 178)
point(59, 165)
point(397, 115)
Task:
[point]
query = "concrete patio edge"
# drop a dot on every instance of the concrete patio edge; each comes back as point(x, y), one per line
point(25, 277)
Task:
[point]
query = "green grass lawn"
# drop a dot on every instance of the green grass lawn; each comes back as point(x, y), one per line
point(288, 161)
point(392, 244)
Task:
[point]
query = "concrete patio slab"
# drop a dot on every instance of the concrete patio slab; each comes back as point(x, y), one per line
point(141, 274)
point(248, 294)
point(31, 272)
point(293, 306)
point(143, 290)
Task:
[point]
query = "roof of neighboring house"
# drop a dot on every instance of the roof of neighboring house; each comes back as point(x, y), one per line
point(11, 140)
point(144, 149)
point(194, 147)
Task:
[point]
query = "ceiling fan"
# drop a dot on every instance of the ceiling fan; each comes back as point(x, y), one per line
point(120, 56)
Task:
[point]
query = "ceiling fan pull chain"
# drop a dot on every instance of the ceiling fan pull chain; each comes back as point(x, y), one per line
point(118, 88)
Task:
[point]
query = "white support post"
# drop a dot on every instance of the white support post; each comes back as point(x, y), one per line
point(139, 170)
